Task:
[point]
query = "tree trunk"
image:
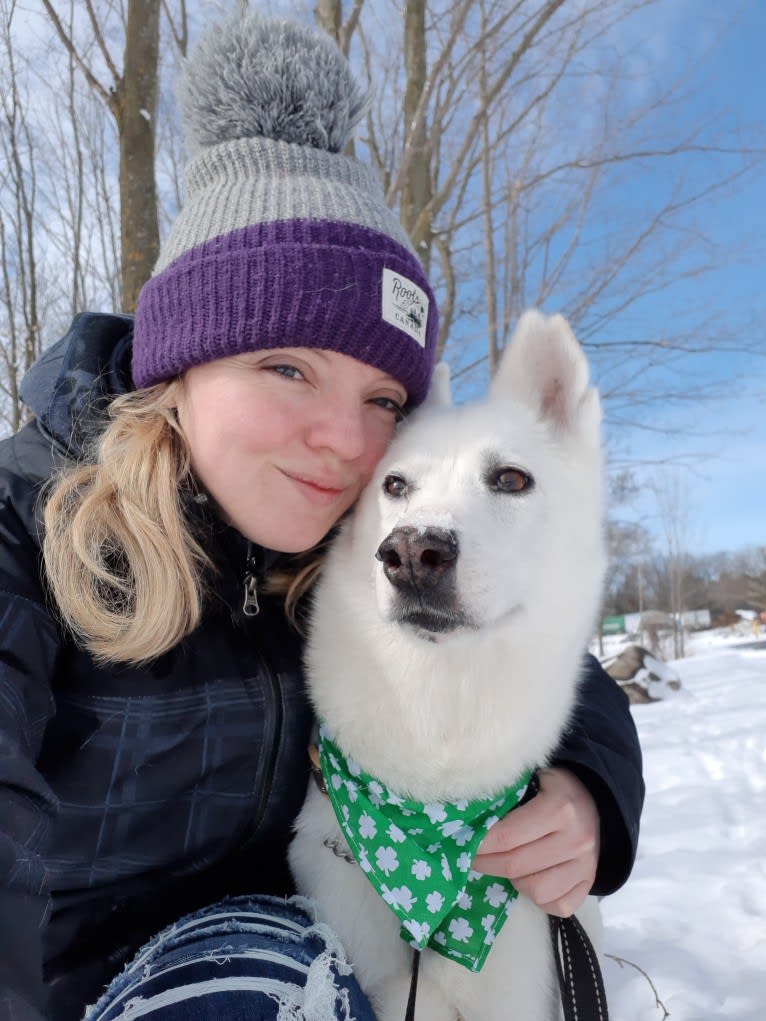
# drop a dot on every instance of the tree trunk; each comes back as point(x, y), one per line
point(490, 273)
point(417, 191)
point(135, 106)
point(329, 16)
point(19, 298)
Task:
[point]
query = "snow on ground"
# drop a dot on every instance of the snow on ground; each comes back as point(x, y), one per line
point(693, 914)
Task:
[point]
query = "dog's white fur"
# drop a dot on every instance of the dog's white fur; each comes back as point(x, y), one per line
point(460, 714)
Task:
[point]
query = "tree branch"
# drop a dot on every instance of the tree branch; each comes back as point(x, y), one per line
point(66, 39)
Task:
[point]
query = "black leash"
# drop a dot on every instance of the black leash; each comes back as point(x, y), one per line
point(581, 984)
point(409, 1014)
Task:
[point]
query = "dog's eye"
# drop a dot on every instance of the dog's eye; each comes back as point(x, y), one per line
point(394, 485)
point(510, 480)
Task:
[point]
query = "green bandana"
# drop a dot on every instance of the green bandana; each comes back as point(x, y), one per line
point(418, 857)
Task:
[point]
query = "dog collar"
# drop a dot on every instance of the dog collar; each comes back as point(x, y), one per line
point(418, 857)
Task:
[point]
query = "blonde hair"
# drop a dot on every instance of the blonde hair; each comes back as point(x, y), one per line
point(121, 559)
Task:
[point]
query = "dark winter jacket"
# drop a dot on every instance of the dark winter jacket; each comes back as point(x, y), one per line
point(132, 795)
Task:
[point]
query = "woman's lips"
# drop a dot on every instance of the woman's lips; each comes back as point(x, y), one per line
point(322, 492)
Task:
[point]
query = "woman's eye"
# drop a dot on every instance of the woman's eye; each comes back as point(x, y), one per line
point(389, 404)
point(290, 371)
point(395, 485)
point(510, 480)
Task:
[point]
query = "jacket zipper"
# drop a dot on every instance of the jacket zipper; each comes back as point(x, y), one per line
point(250, 606)
point(274, 709)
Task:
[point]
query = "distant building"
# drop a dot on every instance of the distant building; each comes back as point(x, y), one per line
point(653, 620)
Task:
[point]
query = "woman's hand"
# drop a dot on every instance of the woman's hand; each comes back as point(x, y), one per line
point(548, 847)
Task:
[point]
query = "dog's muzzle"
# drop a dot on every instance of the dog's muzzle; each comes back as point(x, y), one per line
point(420, 563)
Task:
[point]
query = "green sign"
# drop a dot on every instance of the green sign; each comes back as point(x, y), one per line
point(613, 625)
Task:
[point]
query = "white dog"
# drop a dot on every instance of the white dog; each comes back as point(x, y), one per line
point(443, 663)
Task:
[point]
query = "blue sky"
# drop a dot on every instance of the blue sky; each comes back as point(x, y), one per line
point(722, 452)
point(711, 54)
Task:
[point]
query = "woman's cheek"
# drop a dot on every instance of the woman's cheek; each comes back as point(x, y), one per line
point(372, 461)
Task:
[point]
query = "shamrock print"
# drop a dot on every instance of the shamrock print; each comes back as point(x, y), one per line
point(421, 869)
point(406, 900)
point(420, 931)
point(394, 833)
point(434, 902)
point(458, 831)
point(387, 860)
point(435, 812)
point(376, 793)
point(495, 895)
point(399, 897)
point(367, 827)
point(460, 929)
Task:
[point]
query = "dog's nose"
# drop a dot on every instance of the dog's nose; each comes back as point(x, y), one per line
point(418, 557)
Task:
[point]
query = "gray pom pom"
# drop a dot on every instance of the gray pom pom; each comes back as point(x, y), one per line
point(256, 76)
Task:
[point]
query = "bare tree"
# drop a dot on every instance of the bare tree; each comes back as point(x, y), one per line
point(629, 545)
point(728, 581)
point(755, 575)
point(131, 96)
point(329, 16)
point(81, 224)
point(19, 294)
point(60, 176)
point(674, 511)
point(505, 136)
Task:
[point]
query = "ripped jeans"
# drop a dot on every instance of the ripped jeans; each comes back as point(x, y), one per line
point(243, 959)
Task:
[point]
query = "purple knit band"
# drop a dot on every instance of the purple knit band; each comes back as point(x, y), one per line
point(290, 283)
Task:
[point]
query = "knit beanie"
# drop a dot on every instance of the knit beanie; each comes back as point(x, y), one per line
point(282, 240)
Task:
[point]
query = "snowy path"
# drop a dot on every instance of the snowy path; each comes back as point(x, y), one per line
point(693, 914)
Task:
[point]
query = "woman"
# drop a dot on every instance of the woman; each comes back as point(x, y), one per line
point(154, 722)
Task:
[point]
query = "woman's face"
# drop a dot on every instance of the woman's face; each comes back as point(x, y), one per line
point(284, 440)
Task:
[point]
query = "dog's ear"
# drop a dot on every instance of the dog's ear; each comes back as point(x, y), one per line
point(440, 392)
point(545, 368)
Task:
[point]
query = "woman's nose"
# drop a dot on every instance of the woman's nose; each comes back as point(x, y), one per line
point(339, 427)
